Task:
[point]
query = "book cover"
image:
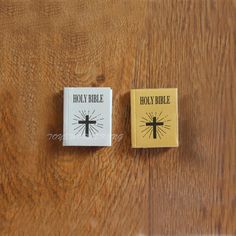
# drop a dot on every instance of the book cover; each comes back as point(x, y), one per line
point(154, 118)
point(87, 117)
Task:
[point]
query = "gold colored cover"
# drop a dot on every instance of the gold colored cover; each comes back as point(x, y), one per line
point(154, 118)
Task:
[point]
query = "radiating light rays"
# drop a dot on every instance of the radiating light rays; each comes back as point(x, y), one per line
point(154, 125)
point(87, 123)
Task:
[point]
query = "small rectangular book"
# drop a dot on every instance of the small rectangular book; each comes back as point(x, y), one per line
point(87, 117)
point(154, 118)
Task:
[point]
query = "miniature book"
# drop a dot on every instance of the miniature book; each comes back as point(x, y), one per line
point(87, 117)
point(154, 118)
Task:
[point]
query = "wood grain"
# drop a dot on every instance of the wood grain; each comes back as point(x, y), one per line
point(47, 189)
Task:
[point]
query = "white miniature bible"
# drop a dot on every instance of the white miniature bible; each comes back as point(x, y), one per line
point(87, 117)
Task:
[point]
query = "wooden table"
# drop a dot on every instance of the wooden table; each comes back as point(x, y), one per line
point(47, 189)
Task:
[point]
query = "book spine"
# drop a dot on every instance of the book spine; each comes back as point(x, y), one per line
point(133, 119)
point(110, 116)
point(177, 118)
point(65, 116)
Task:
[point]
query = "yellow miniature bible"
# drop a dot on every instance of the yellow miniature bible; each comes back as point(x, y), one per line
point(154, 118)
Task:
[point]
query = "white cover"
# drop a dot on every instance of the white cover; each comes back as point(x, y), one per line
point(87, 123)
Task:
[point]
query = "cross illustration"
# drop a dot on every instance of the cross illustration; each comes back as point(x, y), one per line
point(87, 122)
point(154, 124)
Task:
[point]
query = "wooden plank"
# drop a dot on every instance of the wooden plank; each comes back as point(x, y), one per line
point(192, 188)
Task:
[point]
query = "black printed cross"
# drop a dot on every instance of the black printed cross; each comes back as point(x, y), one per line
point(87, 122)
point(154, 125)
